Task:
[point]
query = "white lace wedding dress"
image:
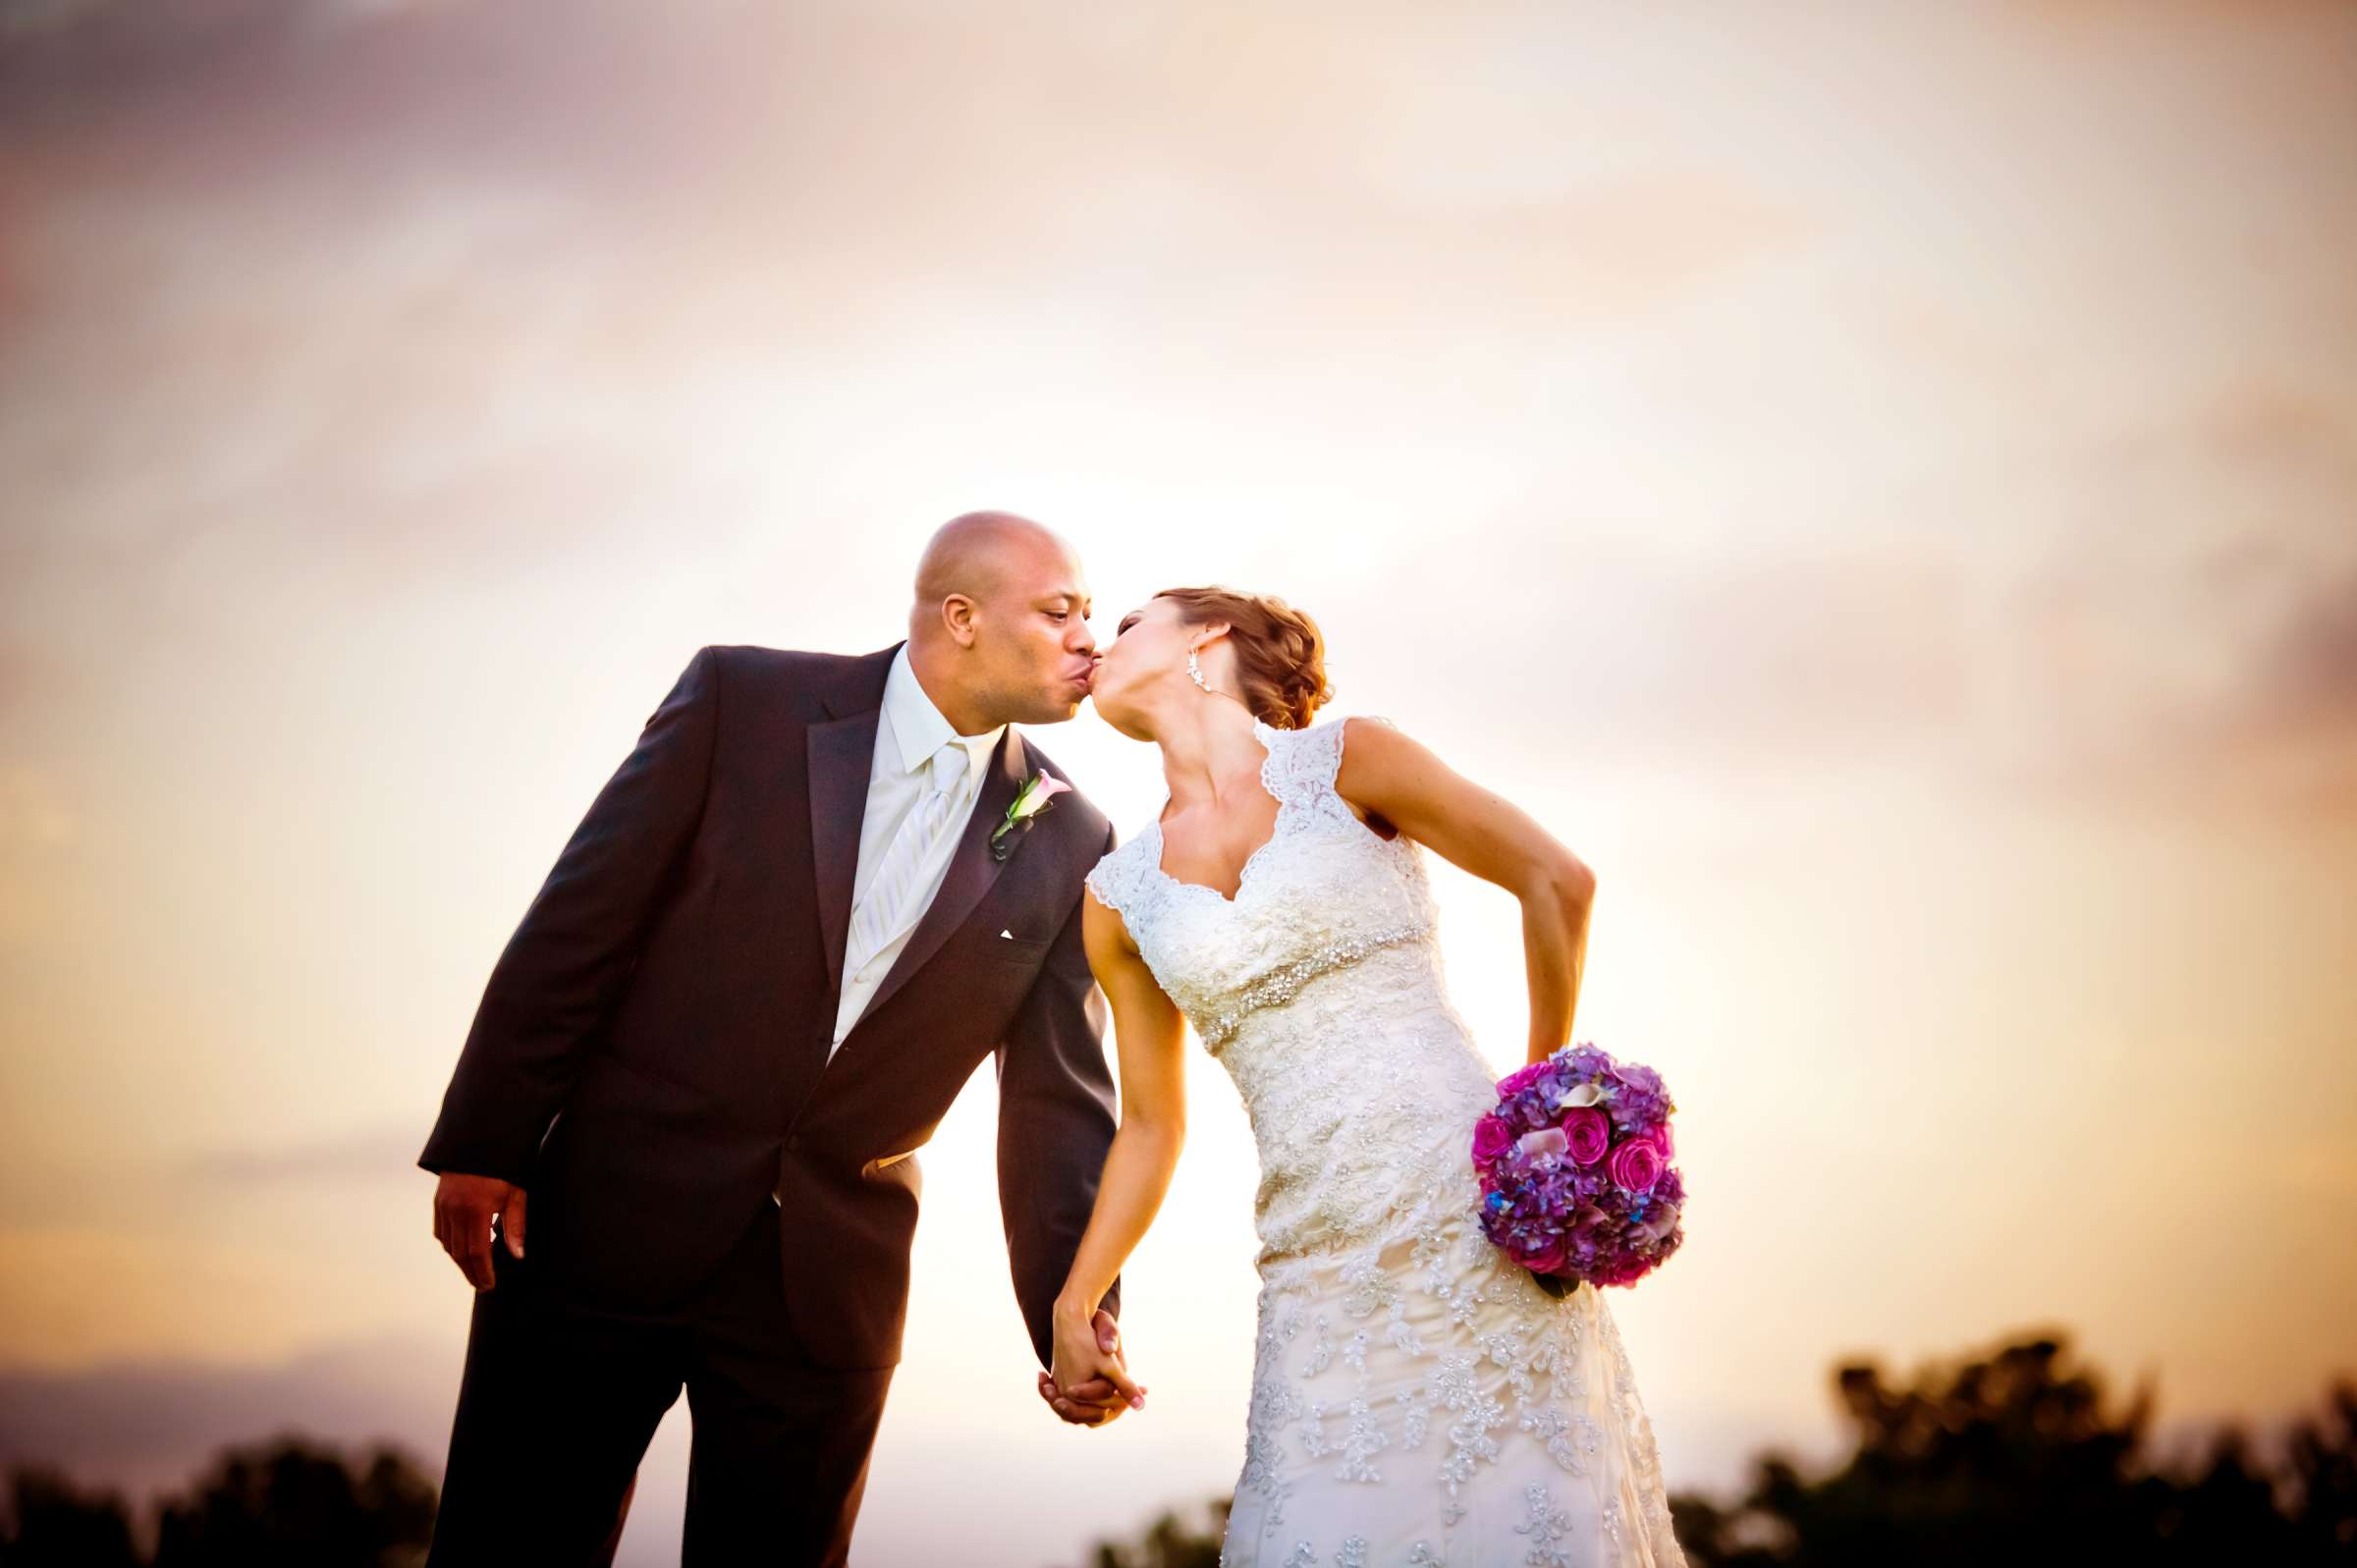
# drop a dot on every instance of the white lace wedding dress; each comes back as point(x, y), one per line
point(1416, 1397)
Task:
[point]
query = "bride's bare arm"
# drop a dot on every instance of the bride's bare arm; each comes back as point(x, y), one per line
point(1149, 1033)
point(1398, 778)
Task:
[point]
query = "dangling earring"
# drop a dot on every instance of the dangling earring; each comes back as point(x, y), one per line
point(1195, 670)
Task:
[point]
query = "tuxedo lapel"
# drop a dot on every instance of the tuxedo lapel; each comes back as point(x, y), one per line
point(842, 752)
point(972, 869)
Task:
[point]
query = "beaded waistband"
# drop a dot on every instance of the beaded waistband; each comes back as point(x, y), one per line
point(1281, 983)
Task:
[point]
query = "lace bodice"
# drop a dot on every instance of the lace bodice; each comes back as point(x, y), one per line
point(1319, 988)
point(1323, 882)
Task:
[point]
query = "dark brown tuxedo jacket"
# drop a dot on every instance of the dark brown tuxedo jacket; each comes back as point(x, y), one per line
point(666, 1002)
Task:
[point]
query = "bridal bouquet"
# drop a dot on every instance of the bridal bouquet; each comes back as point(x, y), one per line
point(1574, 1166)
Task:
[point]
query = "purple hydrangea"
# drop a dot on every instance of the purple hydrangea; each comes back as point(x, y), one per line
point(1569, 1218)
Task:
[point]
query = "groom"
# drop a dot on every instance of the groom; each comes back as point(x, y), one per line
point(782, 938)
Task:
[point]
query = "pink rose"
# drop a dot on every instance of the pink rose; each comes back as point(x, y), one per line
point(1637, 1165)
point(1661, 1138)
point(1492, 1137)
point(1548, 1259)
point(1514, 1083)
point(1590, 1133)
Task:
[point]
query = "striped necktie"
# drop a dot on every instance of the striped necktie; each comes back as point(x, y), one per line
point(884, 911)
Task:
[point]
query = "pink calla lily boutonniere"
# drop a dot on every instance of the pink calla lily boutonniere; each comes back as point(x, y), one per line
point(1034, 797)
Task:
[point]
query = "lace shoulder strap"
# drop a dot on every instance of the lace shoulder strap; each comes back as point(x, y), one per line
point(1303, 763)
point(1118, 878)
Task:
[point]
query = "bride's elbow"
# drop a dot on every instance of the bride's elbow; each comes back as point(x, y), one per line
point(1571, 882)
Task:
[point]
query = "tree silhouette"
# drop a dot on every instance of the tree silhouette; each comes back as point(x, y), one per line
point(1170, 1541)
point(2321, 1490)
point(286, 1503)
point(2016, 1457)
point(276, 1504)
point(52, 1524)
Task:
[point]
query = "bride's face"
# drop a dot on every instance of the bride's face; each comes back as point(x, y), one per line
point(1146, 657)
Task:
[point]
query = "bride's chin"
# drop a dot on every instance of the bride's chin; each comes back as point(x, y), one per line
point(1121, 718)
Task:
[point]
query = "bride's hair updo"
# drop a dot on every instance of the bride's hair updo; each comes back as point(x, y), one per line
point(1280, 653)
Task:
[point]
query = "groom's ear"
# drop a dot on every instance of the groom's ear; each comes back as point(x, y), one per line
point(956, 613)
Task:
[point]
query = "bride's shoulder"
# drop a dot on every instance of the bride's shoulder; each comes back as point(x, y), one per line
point(1121, 873)
point(1364, 721)
point(1333, 731)
point(1367, 757)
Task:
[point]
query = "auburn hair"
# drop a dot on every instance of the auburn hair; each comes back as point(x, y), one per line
point(1279, 652)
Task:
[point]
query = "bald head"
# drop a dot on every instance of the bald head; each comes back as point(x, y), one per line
point(999, 629)
point(976, 554)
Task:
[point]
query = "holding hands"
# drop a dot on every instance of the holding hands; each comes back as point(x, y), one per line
point(1089, 1385)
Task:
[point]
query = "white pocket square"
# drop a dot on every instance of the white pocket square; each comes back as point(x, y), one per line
point(1008, 935)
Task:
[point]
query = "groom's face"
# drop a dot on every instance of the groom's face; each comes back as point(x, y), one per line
point(1036, 652)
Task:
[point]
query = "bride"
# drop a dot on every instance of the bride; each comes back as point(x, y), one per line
point(1416, 1397)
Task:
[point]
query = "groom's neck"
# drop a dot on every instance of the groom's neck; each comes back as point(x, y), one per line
point(936, 670)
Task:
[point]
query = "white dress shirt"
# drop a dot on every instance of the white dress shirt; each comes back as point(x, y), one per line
point(909, 729)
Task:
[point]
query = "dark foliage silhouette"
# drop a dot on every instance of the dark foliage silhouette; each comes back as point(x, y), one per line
point(1170, 1541)
point(52, 1524)
point(289, 1503)
point(2018, 1456)
point(278, 1504)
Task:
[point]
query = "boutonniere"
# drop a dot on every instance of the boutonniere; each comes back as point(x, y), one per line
point(1034, 797)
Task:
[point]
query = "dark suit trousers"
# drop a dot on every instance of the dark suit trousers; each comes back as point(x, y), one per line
point(561, 1397)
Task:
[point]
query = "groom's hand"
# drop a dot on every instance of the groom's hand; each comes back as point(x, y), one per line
point(464, 1207)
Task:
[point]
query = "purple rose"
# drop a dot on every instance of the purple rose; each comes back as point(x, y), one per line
point(1637, 1165)
point(1589, 1132)
point(1492, 1137)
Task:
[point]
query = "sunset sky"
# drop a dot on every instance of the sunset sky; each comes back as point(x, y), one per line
point(1878, 483)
